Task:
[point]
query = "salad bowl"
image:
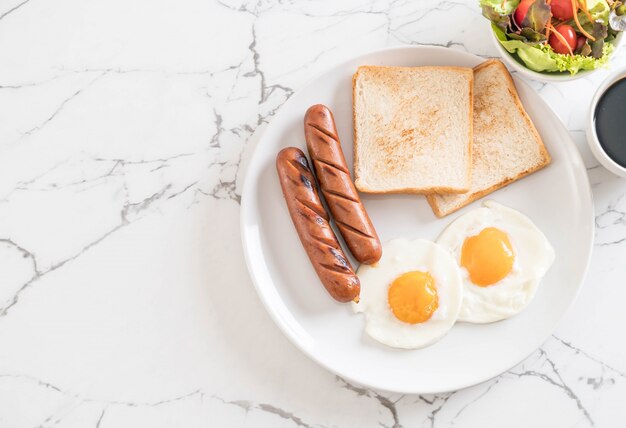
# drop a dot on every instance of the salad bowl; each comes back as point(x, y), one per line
point(564, 76)
point(556, 40)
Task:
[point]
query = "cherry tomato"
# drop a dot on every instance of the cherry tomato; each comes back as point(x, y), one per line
point(522, 9)
point(568, 34)
point(580, 41)
point(562, 9)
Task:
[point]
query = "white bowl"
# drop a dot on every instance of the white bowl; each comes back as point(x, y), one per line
point(592, 136)
point(548, 77)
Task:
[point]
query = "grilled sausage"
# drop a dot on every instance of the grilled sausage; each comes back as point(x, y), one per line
point(337, 187)
point(311, 221)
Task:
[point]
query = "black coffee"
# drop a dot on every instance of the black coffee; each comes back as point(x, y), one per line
point(610, 119)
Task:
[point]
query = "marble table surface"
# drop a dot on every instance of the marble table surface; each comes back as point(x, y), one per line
point(125, 128)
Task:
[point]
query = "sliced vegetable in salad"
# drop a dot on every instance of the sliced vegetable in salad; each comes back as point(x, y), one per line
point(557, 35)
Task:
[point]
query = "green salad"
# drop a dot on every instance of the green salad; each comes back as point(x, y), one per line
point(557, 35)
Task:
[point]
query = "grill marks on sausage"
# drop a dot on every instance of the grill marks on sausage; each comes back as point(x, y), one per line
point(335, 176)
point(302, 161)
point(332, 168)
point(340, 258)
point(306, 181)
point(322, 130)
point(349, 195)
point(324, 241)
point(300, 165)
point(353, 229)
point(340, 195)
point(312, 224)
point(317, 211)
point(331, 164)
point(293, 181)
point(336, 185)
point(338, 269)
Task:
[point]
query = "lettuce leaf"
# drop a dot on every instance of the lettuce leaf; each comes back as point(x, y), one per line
point(542, 58)
point(502, 21)
point(503, 7)
point(599, 10)
point(537, 16)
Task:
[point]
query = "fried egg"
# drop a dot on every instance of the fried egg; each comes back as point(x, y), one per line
point(412, 296)
point(502, 256)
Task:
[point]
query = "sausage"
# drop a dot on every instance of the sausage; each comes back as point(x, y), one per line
point(337, 187)
point(312, 224)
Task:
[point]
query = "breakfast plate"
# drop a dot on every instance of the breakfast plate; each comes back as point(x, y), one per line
point(557, 199)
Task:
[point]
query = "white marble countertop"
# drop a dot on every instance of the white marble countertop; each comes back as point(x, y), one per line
point(124, 300)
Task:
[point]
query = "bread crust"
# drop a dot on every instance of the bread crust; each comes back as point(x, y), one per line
point(520, 106)
point(421, 191)
point(477, 195)
point(425, 191)
point(423, 67)
point(470, 143)
point(432, 200)
point(355, 156)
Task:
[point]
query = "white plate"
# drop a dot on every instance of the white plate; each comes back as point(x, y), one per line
point(557, 198)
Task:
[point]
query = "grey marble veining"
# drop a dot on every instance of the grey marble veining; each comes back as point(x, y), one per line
point(125, 132)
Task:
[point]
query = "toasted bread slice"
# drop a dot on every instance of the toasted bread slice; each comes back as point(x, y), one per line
point(506, 145)
point(412, 129)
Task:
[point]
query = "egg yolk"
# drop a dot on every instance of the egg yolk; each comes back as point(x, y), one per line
point(488, 256)
point(413, 297)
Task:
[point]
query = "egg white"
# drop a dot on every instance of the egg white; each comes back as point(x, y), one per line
point(533, 257)
point(401, 256)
